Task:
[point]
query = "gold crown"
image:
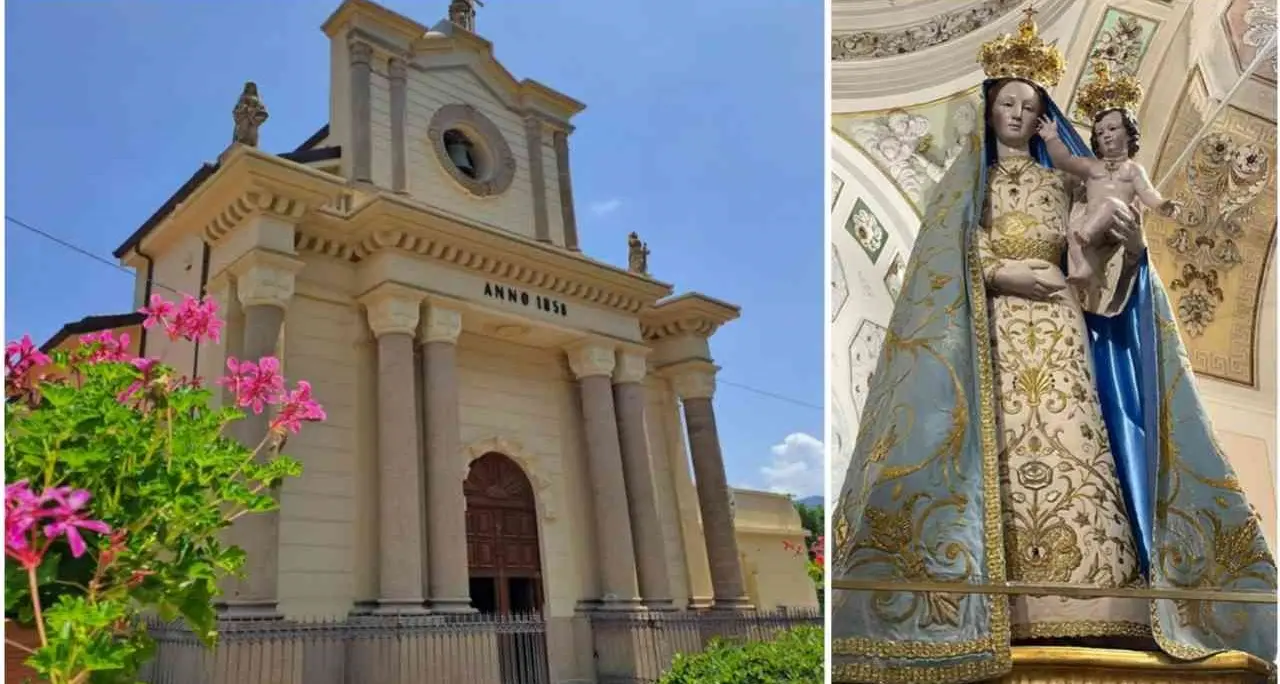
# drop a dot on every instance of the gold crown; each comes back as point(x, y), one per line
point(1105, 92)
point(1023, 55)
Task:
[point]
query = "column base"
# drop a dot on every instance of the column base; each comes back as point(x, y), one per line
point(399, 607)
point(741, 603)
point(700, 603)
point(452, 606)
point(662, 605)
point(615, 605)
point(245, 609)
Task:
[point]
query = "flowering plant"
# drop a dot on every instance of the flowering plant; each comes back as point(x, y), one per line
point(815, 559)
point(122, 482)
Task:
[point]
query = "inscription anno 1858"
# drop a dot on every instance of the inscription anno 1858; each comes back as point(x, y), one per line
point(514, 295)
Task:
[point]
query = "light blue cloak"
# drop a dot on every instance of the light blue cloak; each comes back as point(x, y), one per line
point(921, 497)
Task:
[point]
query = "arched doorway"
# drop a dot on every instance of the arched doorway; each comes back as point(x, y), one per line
point(502, 537)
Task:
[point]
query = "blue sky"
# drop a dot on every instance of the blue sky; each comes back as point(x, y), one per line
point(703, 132)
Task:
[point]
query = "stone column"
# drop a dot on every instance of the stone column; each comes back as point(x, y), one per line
point(361, 116)
point(537, 180)
point(561, 142)
point(397, 75)
point(449, 585)
point(695, 386)
point(264, 290)
point(393, 317)
point(646, 527)
point(615, 553)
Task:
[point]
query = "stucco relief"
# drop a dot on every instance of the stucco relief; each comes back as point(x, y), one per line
point(839, 284)
point(936, 31)
point(543, 482)
point(864, 350)
point(866, 229)
point(1250, 25)
point(837, 184)
point(914, 146)
point(1121, 41)
point(893, 276)
point(1214, 255)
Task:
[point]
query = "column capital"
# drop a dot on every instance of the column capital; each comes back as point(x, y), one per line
point(361, 52)
point(392, 309)
point(693, 379)
point(631, 365)
point(591, 358)
point(440, 324)
point(265, 278)
point(397, 69)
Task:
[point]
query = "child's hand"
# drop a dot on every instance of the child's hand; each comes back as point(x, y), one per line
point(1048, 129)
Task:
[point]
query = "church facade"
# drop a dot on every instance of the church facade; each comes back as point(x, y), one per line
point(510, 422)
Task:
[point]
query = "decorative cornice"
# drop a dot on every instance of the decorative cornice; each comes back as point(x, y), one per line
point(687, 314)
point(394, 222)
point(939, 29)
point(392, 308)
point(441, 324)
point(695, 379)
point(631, 365)
point(248, 182)
point(591, 358)
point(265, 278)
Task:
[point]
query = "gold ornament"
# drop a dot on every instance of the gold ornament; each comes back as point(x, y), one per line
point(1023, 55)
point(1106, 92)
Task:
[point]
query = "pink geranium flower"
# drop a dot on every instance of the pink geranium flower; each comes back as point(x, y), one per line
point(147, 366)
point(105, 347)
point(192, 319)
point(20, 356)
point(68, 519)
point(298, 406)
point(254, 385)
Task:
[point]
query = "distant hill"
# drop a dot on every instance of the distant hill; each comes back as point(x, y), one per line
point(815, 500)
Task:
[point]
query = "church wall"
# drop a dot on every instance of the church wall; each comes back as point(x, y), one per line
point(177, 272)
point(426, 92)
point(328, 514)
point(380, 124)
point(657, 411)
point(528, 398)
point(551, 178)
point(696, 568)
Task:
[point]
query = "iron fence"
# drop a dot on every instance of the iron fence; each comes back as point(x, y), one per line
point(637, 648)
point(484, 649)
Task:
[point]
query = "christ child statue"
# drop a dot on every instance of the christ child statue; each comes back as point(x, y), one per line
point(1112, 182)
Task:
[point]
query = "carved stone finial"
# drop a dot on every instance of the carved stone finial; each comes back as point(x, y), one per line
point(249, 115)
point(637, 255)
point(462, 13)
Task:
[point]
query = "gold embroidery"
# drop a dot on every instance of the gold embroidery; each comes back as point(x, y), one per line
point(1081, 628)
point(1018, 248)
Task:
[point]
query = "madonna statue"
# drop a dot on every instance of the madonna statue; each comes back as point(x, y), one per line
point(1019, 430)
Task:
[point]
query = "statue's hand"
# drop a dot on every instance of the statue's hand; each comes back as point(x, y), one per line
point(1030, 279)
point(1048, 129)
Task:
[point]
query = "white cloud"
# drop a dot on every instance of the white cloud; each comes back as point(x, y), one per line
point(798, 466)
point(605, 207)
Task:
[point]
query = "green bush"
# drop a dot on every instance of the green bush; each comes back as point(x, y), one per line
point(795, 657)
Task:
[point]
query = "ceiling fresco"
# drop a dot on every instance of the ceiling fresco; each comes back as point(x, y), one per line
point(1249, 25)
point(1213, 258)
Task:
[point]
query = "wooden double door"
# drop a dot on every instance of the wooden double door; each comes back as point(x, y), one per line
point(502, 538)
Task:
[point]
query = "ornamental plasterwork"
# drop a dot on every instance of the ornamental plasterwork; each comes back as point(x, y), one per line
point(864, 350)
point(893, 277)
point(867, 230)
point(1121, 41)
point(591, 359)
point(1250, 25)
point(914, 146)
point(839, 284)
point(499, 166)
point(1213, 257)
point(528, 462)
point(936, 31)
